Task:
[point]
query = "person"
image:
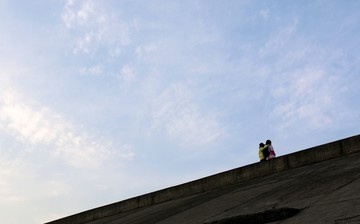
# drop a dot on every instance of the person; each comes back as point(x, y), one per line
point(269, 146)
point(263, 152)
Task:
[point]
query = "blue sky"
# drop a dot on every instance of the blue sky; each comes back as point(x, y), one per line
point(101, 101)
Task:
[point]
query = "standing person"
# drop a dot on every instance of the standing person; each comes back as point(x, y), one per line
point(272, 153)
point(263, 152)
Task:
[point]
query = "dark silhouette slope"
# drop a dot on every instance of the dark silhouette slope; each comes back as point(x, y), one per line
point(317, 185)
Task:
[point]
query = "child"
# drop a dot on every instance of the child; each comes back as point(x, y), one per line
point(272, 153)
point(263, 152)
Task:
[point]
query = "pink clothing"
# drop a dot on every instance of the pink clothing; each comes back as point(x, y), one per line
point(272, 152)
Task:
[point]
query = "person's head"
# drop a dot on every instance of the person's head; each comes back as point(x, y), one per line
point(261, 144)
point(268, 142)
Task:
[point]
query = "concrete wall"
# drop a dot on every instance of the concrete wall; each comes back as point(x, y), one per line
point(302, 158)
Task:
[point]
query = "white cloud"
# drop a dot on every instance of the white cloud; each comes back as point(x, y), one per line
point(307, 98)
point(78, 13)
point(92, 70)
point(307, 81)
point(183, 119)
point(38, 127)
point(144, 51)
point(127, 74)
point(281, 37)
point(28, 124)
point(92, 26)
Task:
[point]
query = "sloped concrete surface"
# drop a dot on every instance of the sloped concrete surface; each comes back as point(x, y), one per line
point(325, 192)
point(316, 185)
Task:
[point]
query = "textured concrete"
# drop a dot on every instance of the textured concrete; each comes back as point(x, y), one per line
point(322, 184)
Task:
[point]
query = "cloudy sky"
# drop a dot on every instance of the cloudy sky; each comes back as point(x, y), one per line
point(101, 100)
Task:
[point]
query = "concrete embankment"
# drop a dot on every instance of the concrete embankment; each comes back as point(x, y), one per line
point(302, 158)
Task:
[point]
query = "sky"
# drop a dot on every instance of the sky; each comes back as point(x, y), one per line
point(101, 101)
